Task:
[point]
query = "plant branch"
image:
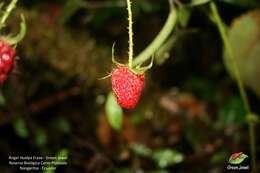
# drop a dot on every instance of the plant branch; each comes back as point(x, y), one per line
point(12, 40)
point(159, 40)
point(7, 12)
point(231, 56)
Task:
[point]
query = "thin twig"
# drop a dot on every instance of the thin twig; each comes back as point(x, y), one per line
point(167, 29)
point(7, 12)
point(238, 79)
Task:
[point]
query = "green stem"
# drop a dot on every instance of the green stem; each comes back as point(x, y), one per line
point(159, 40)
point(12, 40)
point(252, 145)
point(130, 34)
point(231, 56)
point(1, 5)
point(7, 12)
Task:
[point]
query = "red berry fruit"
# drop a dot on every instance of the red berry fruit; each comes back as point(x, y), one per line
point(7, 54)
point(127, 86)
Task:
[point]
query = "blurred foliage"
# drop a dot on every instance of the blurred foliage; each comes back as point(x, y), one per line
point(141, 150)
point(163, 157)
point(69, 9)
point(40, 137)
point(20, 128)
point(243, 3)
point(232, 112)
point(63, 153)
point(244, 36)
point(167, 157)
point(70, 52)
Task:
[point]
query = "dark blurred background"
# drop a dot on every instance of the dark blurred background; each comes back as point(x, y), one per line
point(190, 117)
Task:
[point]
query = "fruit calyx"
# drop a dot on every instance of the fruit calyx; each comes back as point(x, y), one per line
point(138, 69)
point(128, 82)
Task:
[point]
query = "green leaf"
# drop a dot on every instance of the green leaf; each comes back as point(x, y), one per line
point(20, 128)
point(167, 157)
point(183, 15)
point(238, 160)
point(141, 150)
point(244, 39)
point(40, 137)
point(114, 112)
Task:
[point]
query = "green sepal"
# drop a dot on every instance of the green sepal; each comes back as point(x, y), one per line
point(140, 70)
point(113, 56)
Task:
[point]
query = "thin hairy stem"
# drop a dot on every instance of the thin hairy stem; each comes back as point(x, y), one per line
point(130, 34)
